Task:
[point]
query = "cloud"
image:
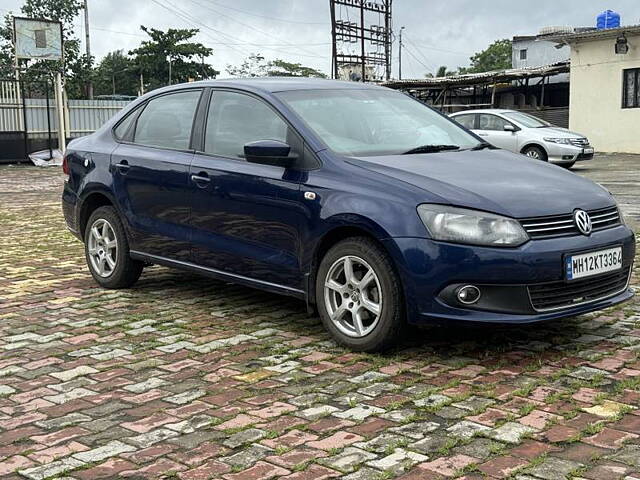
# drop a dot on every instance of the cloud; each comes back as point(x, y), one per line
point(437, 32)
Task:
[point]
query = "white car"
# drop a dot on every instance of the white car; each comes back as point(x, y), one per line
point(523, 133)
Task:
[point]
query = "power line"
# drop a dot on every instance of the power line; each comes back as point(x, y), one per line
point(215, 43)
point(265, 16)
point(267, 34)
point(429, 69)
point(417, 51)
point(428, 47)
point(186, 17)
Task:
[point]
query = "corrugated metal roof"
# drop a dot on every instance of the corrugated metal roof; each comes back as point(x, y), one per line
point(593, 35)
point(498, 76)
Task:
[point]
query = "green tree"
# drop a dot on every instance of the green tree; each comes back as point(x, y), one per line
point(252, 66)
point(496, 56)
point(441, 72)
point(171, 52)
point(116, 74)
point(280, 68)
point(257, 66)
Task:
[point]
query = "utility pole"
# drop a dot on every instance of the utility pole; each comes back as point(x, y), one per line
point(88, 45)
point(400, 55)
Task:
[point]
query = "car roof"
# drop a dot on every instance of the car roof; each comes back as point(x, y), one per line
point(281, 84)
point(484, 110)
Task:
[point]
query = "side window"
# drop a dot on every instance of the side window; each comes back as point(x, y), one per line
point(492, 122)
point(467, 121)
point(235, 119)
point(123, 127)
point(166, 121)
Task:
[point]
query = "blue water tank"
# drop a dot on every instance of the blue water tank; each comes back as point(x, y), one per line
point(608, 19)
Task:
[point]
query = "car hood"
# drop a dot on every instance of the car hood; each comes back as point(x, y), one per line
point(556, 132)
point(492, 180)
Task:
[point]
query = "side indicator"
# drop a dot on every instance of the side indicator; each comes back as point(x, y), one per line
point(309, 195)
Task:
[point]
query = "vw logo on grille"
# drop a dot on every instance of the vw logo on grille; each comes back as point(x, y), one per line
point(582, 221)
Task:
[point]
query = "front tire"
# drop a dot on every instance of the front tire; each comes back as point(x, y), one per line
point(359, 296)
point(107, 250)
point(536, 153)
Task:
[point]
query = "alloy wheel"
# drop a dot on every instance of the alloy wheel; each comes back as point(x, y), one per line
point(102, 247)
point(533, 154)
point(353, 297)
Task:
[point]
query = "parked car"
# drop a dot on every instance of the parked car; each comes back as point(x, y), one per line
point(520, 132)
point(363, 202)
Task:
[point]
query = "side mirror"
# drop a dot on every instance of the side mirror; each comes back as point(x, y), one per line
point(510, 128)
point(269, 152)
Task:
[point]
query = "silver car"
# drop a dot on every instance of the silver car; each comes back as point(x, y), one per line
point(523, 133)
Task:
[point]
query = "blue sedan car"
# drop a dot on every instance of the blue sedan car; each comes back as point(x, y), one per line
point(370, 206)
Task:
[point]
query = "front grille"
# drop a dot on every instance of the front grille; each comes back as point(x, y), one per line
point(579, 142)
point(563, 225)
point(557, 295)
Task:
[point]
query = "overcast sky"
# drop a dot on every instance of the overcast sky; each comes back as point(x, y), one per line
point(438, 32)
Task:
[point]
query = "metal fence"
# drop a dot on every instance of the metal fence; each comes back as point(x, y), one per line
point(29, 117)
point(82, 116)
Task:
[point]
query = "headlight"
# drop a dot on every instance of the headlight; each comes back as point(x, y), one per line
point(460, 225)
point(563, 141)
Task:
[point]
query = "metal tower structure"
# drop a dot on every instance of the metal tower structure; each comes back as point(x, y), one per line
point(361, 37)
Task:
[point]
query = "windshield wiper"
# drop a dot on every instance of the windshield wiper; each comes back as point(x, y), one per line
point(482, 146)
point(431, 149)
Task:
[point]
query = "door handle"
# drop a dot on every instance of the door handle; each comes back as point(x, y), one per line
point(123, 167)
point(483, 134)
point(201, 179)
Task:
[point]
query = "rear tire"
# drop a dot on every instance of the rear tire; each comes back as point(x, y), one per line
point(348, 306)
point(535, 152)
point(107, 250)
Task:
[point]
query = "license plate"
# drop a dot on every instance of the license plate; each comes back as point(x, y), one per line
point(587, 151)
point(593, 263)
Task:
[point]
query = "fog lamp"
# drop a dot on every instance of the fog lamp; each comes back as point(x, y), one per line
point(468, 295)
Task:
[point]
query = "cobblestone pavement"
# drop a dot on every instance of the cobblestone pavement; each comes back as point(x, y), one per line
point(186, 377)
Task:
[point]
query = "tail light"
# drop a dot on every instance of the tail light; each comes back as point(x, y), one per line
point(65, 165)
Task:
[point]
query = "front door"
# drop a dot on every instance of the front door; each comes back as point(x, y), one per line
point(244, 215)
point(491, 129)
point(151, 176)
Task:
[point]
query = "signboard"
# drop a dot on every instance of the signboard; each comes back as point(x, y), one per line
point(37, 38)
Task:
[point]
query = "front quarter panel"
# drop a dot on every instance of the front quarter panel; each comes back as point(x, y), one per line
point(353, 197)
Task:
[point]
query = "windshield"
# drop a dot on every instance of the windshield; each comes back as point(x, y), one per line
point(527, 120)
point(372, 122)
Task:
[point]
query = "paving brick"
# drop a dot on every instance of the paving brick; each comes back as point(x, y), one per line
point(502, 467)
point(448, 466)
point(205, 379)
point(610, 438)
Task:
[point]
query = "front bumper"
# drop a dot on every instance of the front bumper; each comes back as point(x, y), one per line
point(430, 269)
point(559, 153)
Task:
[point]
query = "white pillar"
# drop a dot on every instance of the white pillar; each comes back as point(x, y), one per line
point(60, 109)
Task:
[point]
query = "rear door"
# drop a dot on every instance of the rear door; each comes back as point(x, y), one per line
point(491, 128)
point(245, 216)
point(151, 175)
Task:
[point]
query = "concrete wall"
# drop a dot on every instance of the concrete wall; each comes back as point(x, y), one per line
point(539, 53)
point(596, 95)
